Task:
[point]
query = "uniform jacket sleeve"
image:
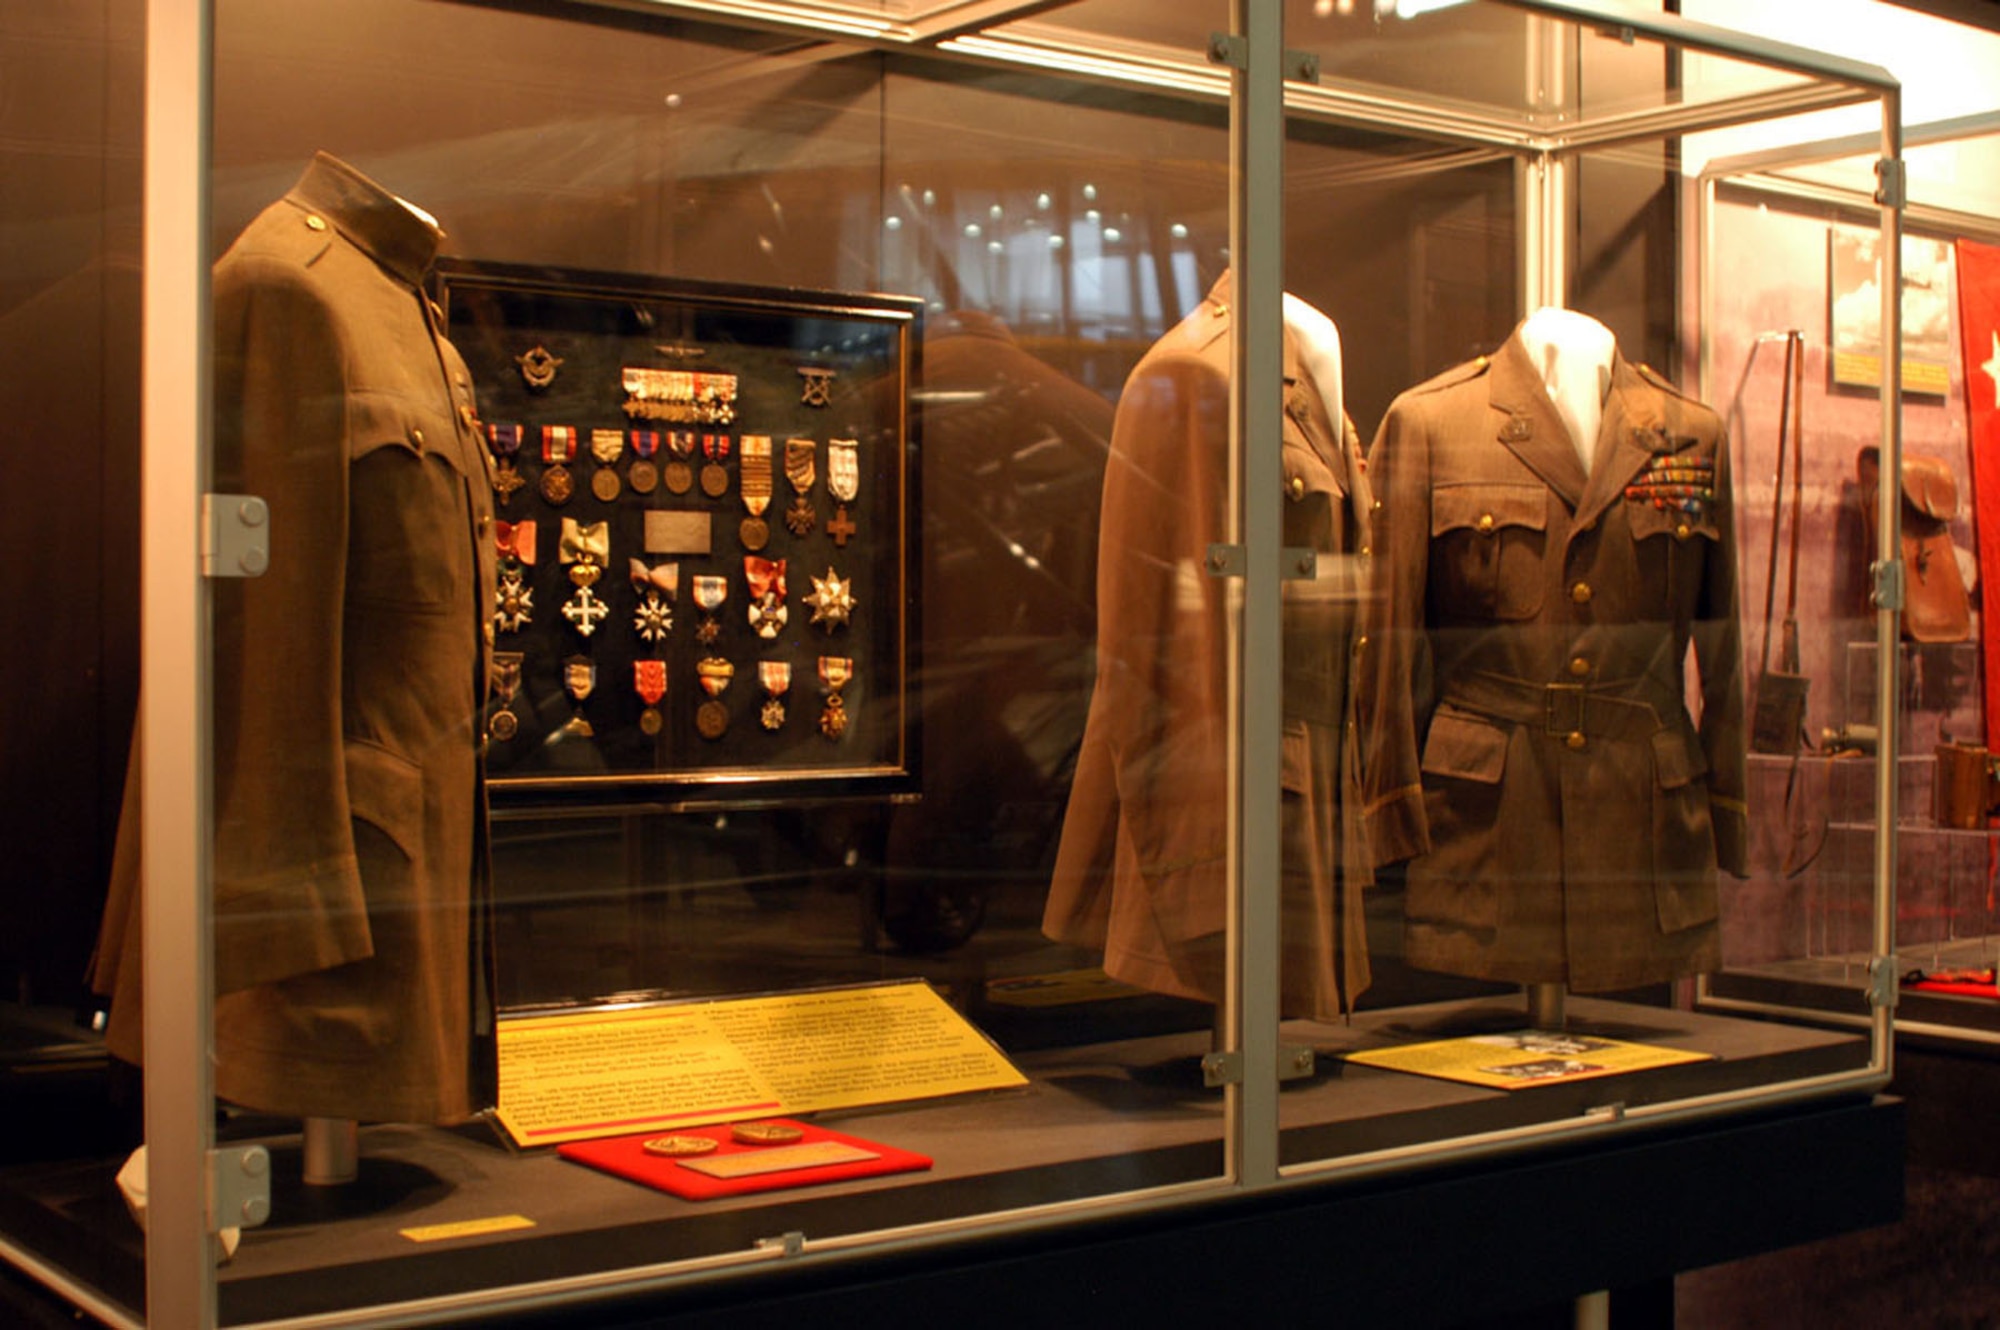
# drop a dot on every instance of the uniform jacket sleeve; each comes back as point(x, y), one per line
point(1717, 635)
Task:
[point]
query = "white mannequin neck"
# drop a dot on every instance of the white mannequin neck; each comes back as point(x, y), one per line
point(1573, 352)
point(1318, 343)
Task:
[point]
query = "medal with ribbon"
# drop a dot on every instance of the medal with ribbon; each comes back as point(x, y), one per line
point(658, 587)
point(1683, 483)
point(558, 447)
point(506, 678)
point(756, 484)
point(816, 385)
point(715, 476)
point(586, 550)
point(776, 676)
point(832, 600)
point(504, 441)
point(679, 472)
point(644, 474)
point(513, 598)
point(580, 678)
point(649, 681)
point(801, 469)
point(606, 445)
point(712, 717)
point(766, 579)
point(715, 398)
point(834, 672)
point(538, 367)
point(710, 591)
point(843, 482)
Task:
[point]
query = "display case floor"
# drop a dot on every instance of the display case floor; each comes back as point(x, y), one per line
point(1833, 988)
point(1095, 1121)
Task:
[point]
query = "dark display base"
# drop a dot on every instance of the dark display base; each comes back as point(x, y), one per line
point(1096, 1121)
point(1832, 988)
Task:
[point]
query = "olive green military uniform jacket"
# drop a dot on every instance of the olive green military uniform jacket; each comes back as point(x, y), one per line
point(348, 848)
point(1141, 870)
point(1531, 749)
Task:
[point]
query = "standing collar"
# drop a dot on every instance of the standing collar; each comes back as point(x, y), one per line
point(381, 224)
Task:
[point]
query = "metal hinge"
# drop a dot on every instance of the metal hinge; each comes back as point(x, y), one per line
point(1294, 562)
point(1228, 49)
point(1892, 182)
point(235, 535)
point(1884, 986)
point(239, 1187)
point(791, 1244)
point(1295, 1062)
point(1886, 575)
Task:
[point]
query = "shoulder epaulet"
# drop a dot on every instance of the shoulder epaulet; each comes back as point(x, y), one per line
point(1662, 382)
point(1457, 374)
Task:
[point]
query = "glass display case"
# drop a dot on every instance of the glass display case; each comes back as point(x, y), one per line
point(1799, 945)
point(773, 631)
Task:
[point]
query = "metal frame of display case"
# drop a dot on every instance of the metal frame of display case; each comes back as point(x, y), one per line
point(1767, 172)
point(174, 718)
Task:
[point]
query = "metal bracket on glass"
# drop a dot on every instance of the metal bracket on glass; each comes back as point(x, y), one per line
point(239, 1187)
point(1220, 1069)
point(1886, 577)
point(1228, 49)
point(790, 1244)
point(1884, 983)
point(1892, 182)
point(1295, 1062)
point(235, 535)
point(1294, 562)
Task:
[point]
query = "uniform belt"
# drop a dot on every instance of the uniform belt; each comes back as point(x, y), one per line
point(1602, 711)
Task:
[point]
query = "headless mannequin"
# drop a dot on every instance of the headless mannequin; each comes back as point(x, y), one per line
point(1573, 352)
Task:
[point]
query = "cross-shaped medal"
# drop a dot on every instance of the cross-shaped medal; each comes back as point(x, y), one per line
point(840, 527)
point(583, 610)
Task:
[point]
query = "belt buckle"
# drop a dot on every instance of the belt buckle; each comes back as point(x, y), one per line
point(1562, 717)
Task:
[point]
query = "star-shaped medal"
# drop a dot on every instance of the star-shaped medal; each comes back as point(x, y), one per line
point(832, 600)
point(654, 617)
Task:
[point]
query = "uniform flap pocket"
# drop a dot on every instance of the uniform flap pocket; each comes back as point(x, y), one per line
point(386, 791)
point(1467, 747)
point(1675, 760)
point(384, 420)
point(1670, 520)
point(1488, 507)
point(1295, 773)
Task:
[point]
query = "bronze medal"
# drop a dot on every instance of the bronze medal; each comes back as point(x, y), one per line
point(504, 725)
point(714, 480)
point(765, 1133)
point(754, 532)
point(840, 527)
point(650, 722)
point(604, 484)
point(672, 1146)
point(506, 479)
point(644, 477)
point(678, 477)
point(557, 485)
point(800, 518)
point(711, 719)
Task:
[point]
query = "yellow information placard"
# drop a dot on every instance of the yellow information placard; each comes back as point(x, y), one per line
point(1524, 1058)
point(605, 1072)
point(467, 1228)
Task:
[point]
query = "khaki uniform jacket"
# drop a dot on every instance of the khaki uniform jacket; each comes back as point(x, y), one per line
point(349, 861)
point(1530, 747)
point(1141, 872)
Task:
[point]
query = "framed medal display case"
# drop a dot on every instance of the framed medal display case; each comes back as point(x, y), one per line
point(560, 687)
point(706, 518)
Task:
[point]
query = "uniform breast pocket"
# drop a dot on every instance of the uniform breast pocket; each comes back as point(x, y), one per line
point(1674, 547)
point(409, 542)
point(1487, 543)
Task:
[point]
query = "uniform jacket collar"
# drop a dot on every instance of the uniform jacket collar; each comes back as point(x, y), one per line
point(1303, 402)
point(1529, 425)
point(375, 220)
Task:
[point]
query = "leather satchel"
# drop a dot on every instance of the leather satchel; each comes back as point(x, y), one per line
point(1965, 787)
point(1935, 605)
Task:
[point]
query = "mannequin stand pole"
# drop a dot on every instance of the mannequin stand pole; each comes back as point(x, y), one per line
point(1545, 1006)
point(332, 1151)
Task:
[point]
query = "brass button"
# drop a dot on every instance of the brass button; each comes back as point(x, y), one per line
point(1360, 642)
point(1366, 550)
point(468, 415)
point(1581, 593)
point(1486, 522)
point(485, 523)
point(314, 222)
point(1681, 532)
point(1578, 666)
point(1576, 740)
point(486, 630)
point(416, 436)
point(1295, 487)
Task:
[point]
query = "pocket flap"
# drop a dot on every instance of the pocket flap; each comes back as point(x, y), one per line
point(1467, 747)
point(1488, 507)
point(386, 791)
point(1295, 770)
point(1675, 760)
point(383, 420)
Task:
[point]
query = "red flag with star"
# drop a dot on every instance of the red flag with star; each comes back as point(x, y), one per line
point(1979, 335)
